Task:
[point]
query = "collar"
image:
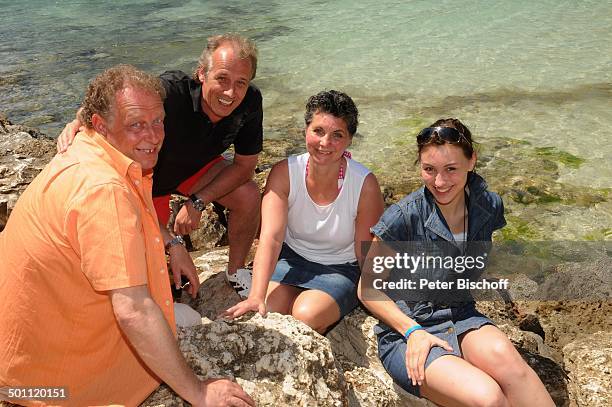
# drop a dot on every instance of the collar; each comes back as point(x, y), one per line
point(115, 158)
point(195, 90)
point(477, 214)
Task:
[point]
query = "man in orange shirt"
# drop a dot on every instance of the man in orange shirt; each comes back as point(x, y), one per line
point(85, 297)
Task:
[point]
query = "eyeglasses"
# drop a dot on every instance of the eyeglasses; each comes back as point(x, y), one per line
point(447, 134)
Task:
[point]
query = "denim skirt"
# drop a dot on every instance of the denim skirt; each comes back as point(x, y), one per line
point(446, 322)
point(337, 280)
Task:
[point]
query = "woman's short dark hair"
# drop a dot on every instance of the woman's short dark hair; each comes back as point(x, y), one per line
point(465, 142)
point(337, 104)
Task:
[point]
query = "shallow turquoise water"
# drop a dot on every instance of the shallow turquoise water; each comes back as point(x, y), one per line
point(535, 71)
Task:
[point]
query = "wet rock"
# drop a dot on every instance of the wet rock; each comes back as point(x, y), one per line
point(588, 360)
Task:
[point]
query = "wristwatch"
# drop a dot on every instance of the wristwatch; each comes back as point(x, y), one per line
point(197, 202)
point(173, 242)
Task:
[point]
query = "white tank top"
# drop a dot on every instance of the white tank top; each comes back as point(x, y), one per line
point(323, 233)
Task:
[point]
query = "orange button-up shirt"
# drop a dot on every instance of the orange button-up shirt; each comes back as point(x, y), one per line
point(84, 226)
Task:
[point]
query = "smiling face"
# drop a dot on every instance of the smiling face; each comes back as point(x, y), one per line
point(226, 83)
point(327, 137)
point(136, 126)
point(444, 169)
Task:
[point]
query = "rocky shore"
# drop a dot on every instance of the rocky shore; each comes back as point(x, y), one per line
point(280, 361)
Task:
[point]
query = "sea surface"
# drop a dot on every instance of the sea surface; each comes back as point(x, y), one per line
point(537, 73)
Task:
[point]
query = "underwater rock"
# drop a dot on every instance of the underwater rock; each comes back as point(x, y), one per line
point(525, 174)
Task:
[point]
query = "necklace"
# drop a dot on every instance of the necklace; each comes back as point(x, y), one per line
point(465, 216)
point(346, 154)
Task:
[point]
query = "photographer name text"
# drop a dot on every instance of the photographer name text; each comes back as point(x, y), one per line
point(425, 284)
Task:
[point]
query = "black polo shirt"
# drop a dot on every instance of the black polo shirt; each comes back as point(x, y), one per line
point(192, 140)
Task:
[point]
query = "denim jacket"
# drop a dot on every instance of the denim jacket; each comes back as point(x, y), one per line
point(417, 218)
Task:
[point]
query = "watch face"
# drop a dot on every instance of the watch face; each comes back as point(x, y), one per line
point(197, 203)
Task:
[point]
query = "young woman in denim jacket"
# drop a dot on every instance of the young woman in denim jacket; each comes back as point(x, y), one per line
point(449, 353)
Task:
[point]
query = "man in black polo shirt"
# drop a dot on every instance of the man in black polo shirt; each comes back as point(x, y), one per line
point(205, 115)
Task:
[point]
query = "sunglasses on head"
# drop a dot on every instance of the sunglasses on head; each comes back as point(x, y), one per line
point(447, 134)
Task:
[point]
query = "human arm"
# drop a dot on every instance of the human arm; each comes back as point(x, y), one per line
point(369, 209)
point(230, 177)
point(378, 303)
point(64, 140)
point(274, 210)
point(145, 327)
point(181, 263)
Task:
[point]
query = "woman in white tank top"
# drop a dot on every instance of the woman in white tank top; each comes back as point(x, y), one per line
point(317, 209)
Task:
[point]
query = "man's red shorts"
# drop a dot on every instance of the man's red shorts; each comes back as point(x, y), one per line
point(162, 203)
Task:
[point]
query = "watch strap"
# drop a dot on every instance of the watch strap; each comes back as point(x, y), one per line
point(174, 241)
point(197, 202)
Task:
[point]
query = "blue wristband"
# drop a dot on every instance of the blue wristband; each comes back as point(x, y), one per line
point(411, 330)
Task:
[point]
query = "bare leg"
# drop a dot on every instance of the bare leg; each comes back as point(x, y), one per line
point(317, 309)
point(313, 307)
point(243, 204)
point(280, 297)
point(452, 381)
point(491, 351)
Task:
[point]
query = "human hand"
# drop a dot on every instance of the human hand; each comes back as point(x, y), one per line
point(182, 264)
point(64, 140)
point(417, 348)
point(222, 392)
point(187, 219)
point(250, 304)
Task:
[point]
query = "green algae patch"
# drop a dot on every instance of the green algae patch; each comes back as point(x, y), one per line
point(601, 234)
point(533, 195)
point(517, 229)
point(412, 123)
point(518, 142)
point(528, 175)
point(560, 156)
